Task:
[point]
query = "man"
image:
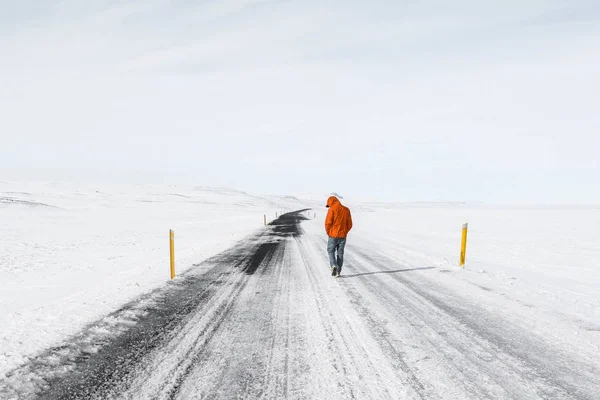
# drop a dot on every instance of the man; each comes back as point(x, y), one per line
point(337, 225)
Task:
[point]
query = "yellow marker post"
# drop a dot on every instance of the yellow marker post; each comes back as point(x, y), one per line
point(463, 246)
point(172, 248)
point(265, 219)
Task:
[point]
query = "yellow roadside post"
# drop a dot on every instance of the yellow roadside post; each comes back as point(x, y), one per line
point(265, 219)
point(463, 246)
point(172, 251)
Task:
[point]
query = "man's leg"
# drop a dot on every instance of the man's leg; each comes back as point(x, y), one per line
point(341, 245)
point(331, 244)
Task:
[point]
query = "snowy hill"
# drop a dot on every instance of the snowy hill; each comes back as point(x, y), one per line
point(80, 264)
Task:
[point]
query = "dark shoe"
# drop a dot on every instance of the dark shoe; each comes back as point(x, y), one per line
point(333, 271)
point(338, 271)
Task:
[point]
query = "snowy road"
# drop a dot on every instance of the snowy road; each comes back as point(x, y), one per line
point(266, 320)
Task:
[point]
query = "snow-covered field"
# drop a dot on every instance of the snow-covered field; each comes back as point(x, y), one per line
point(538, 255)
point(536, 266)
point(70, 254)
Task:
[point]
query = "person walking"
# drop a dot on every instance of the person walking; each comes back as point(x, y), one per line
point(337, 225)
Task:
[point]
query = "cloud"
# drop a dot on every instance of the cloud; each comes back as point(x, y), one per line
point(581, 11)
point(384, 98)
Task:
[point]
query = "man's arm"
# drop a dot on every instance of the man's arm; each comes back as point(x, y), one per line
point(328, 221)
point(349, 221)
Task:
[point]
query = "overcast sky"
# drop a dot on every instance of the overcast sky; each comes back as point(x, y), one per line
point(495, 101)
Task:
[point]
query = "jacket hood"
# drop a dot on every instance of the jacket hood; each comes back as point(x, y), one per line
point(332, 200)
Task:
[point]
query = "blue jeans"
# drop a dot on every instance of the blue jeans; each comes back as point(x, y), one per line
point(333, 245)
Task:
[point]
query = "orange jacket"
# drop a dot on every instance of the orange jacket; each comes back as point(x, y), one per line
point(338, 221)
